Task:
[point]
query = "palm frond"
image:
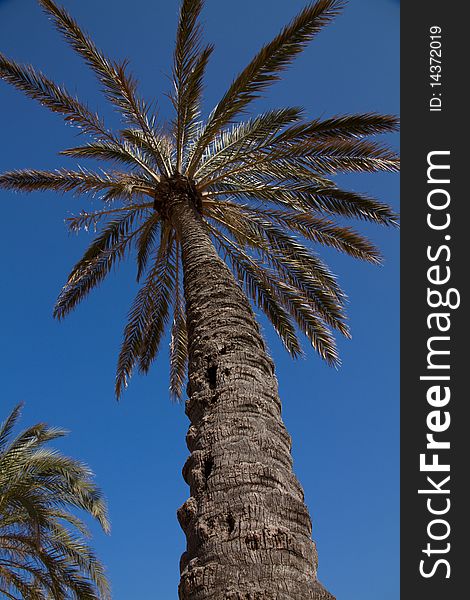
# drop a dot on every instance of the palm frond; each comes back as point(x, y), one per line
point(286, 299)
point(115, 185)
point(179, 339)
point(127, 187)
point(266, 68)
point(309, 321)
point(190, 111)
point(342, 127)
point(309, 161)
point(37, 86)
point(256, 235)
point(257, 287)
point(165, 281)
point(350, 204)
point(188, 39)
point(305, 197)
point(119, 87)
point(243, 138)
point(343, 156)
point(138, 139)
point(146, 242)
point(189, 65)
point(85, 560)
point(87, 221)
point(57, 99)
point(178, 355)
point(29, 180)
point(315, 229)
point(296, 141)
point(42, 551)
point(148, 315)
point(108, 248)
point(294, 264)
point(25, 443)
point(65, 518)
point(18, 584)
point(121, 152)
point(262, 168)
point(7, 426)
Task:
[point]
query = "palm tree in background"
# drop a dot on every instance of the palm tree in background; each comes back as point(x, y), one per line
point(43, 552)
point(217, 213)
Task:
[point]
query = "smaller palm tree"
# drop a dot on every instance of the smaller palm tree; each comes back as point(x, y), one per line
point(43, 551)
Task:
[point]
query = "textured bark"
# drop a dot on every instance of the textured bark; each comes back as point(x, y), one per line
point(248, 530)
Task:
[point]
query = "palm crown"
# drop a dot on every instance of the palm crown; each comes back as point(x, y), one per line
point(262, 187)
point(43, 553)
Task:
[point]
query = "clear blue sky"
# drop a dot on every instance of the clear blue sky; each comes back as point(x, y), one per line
point(344, 423)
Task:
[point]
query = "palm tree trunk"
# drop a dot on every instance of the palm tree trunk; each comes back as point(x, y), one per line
point(248, 530)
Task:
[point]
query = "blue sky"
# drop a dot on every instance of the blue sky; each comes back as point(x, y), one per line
point(344, 423)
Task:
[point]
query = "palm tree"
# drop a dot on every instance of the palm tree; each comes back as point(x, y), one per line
point(43, 553)
point(217, 212)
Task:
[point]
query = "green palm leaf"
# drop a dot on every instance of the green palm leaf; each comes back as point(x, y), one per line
point(43, 553)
